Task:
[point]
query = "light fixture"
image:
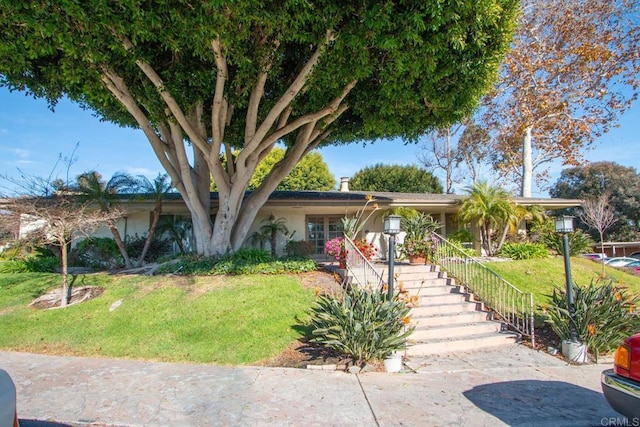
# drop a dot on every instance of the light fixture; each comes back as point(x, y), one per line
point(564, 224)
point(391, 227)
point(392, 224)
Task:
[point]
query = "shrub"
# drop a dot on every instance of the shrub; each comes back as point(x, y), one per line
point(524, 250)
point(245, 261)
point(157, 248)
point(251, 255)
point(461, 235)
point(300, 248)
point(604, 315)
point(579, 242)
point(96, 252)
point(47, 264)
point(360, 324)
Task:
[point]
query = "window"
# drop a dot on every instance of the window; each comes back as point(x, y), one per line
point(323, 228)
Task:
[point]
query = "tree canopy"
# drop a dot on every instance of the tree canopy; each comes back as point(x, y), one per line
point(572, 70)
point(396, 178)
point(213, 77)
point(621, 183)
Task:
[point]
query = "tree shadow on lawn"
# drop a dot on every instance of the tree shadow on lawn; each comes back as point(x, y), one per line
point(535, 402)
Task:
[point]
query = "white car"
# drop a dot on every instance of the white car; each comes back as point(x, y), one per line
point(8, 415)
point(619, 261)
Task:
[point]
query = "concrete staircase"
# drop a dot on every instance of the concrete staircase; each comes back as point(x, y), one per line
point(446, 319)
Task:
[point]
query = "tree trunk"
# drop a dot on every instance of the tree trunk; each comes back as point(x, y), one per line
point(527, 164)
point(121, 246)
point(66, 294)
point(449, 167)
point(157, 211)
point(273, 241)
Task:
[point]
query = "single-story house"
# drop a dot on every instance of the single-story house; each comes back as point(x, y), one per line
point(315, 216)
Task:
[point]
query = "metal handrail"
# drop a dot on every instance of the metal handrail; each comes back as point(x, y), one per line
point(512, 305)
point(360, 269)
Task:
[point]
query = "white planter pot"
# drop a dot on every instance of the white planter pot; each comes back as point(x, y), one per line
point(574, 351)
point(393, 363)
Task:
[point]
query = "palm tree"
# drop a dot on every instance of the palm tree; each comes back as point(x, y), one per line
point(156, 190)
point(271, 228)
point(178, 229)
point(93, 188)
point(490, 208)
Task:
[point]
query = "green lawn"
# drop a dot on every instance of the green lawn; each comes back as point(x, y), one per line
point(209, 319)
point(539, 276)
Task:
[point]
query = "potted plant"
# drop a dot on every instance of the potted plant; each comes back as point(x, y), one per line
point(418, 244)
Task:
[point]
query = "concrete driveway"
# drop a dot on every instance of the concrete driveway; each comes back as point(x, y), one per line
point(511, 385)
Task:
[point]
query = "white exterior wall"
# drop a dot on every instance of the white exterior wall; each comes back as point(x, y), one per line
point(136, 222)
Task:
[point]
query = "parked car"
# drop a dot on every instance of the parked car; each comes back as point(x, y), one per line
point(595, 256)
point(635, 255)
point(635, 266)
point(619, 261)
point(621, 385)
point(8, 414)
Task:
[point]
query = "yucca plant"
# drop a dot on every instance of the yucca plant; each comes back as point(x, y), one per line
point(361, 324)
point(605, 314)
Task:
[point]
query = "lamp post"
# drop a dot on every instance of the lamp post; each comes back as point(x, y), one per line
point(564, 225)
point(391, 227)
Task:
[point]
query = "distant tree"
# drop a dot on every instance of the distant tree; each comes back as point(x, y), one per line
point(204, 78)
point(598, 214)
point(621, 183)
point(93, 189)
point(457, 151)
point(157, 189)
point(572, 70)
point(491, 209)
point(311, 173)
point(395, 178)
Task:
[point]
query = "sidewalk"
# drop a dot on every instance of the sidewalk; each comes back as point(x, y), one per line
point(512, 385)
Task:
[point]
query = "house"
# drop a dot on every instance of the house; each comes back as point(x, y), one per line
point(315, 216)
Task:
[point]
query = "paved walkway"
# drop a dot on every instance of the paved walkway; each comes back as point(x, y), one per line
point(512, 385)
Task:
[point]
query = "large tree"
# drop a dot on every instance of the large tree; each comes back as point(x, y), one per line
point(214, 77)
point(620, 183)
point(396, 178)
point(457, 152)
point(573, 69)
point(311, 173)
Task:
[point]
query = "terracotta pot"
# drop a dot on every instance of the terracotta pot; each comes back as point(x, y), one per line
point(417, 259)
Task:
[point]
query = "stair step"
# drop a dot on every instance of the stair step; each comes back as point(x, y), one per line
point(422, 283)
point(446, 308)
point(449, 345)
point(441, 298)
point(434, 290)
point(426, 333)
point(419, 275)
point(447, 319)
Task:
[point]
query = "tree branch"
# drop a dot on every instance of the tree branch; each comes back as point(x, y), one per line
point(176, 111)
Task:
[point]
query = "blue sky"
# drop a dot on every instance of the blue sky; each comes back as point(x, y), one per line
point(32, 138)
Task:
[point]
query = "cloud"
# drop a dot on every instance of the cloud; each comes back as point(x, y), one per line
point(140, 171)
point(21, 153)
